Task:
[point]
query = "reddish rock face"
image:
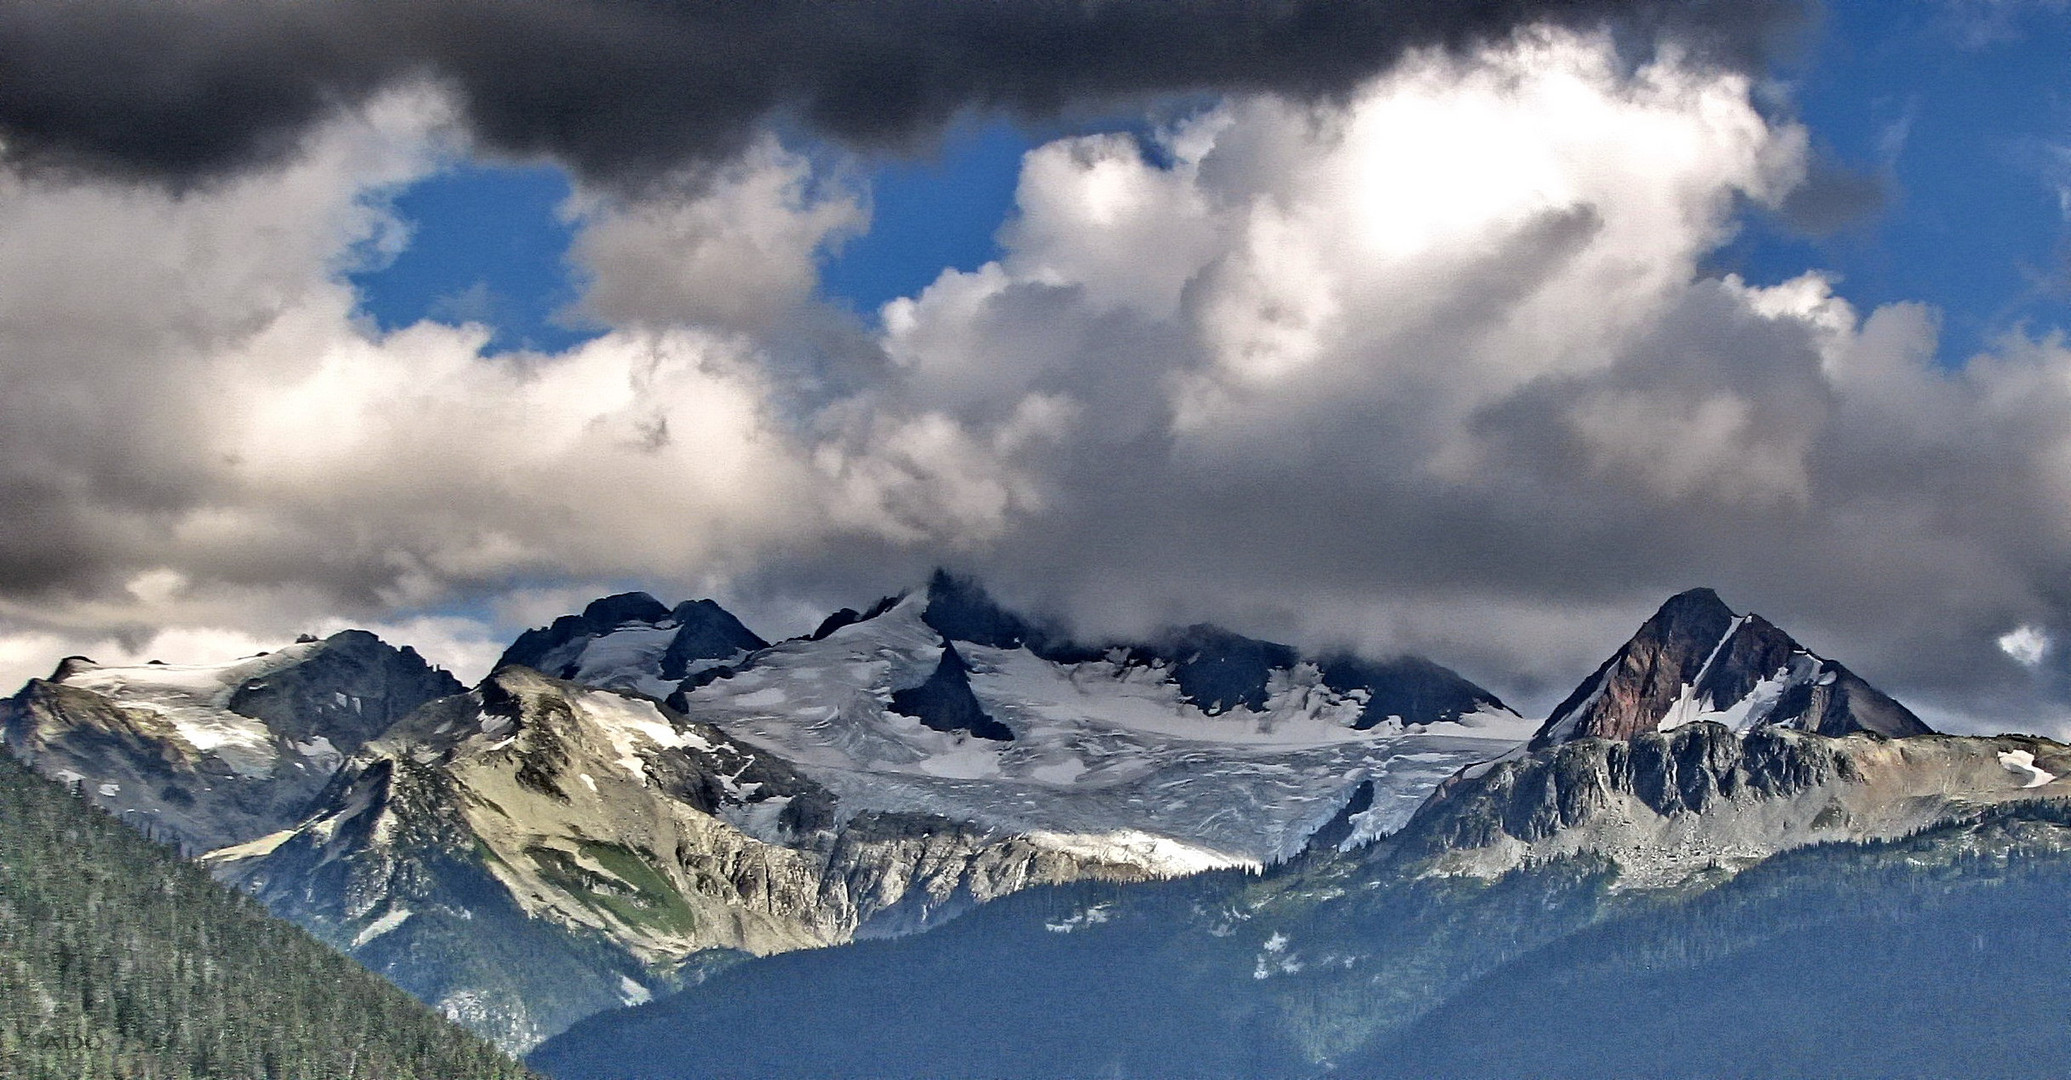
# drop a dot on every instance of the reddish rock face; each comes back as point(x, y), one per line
point(1695, 643)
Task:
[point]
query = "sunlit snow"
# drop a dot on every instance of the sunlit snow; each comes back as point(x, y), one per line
point(195, 700)
point(1106, 756)
point(2021, 763)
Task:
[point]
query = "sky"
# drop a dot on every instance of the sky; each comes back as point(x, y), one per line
point(1472, 331)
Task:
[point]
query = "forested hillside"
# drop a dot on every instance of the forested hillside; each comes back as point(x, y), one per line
point(117, 959)
point(1941, 954)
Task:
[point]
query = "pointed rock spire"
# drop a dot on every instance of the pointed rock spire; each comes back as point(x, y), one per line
point(1698, 659)
point(945, 701)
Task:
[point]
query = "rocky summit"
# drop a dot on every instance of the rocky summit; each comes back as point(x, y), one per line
point(1670, 806)
point(1709, 742)
point(537, 850)
point(1697, 659)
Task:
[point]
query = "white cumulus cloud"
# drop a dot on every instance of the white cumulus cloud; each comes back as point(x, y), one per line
point(1436, 368)
point(2026, 644)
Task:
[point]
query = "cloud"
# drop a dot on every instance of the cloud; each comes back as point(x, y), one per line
point(1440, 371)
point(1435, 367)
point(200, 436)
point(1834, 197)
point(630, 90)
point(735, 250)
point(2026, 644)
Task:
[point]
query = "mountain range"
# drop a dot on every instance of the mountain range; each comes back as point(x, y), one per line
point(1764, 884)
point(641, 793)
point(641, 799)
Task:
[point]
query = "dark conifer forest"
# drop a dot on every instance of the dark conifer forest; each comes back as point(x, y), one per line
point(117, 959)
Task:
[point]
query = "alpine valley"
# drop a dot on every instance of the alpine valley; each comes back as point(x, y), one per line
point(662, 846)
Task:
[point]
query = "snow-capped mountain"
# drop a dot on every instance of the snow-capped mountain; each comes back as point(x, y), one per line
point(1710, 741)
point(869, 779)
point(631, 641)
point(208, 755)
point(1696, 659)
point(536, 850)
point(1709, 744)
point(1206, 749)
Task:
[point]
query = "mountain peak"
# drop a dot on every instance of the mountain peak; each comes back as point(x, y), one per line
point(1701, 602)
point(633, 641)
point(960, 609)
point(850, 617)
point(945, 702)
point(622, 608)
point(1697, 659)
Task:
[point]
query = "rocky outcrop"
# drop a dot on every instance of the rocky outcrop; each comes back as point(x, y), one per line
point(850, 617)
point(1713, 740)
point(705, 631)
point(1406, 690)
point(206, 756)
point(620, 640)
point(945, 703)
point(542, 648)
point(1665, 806)
point(348, 691)
point(1697, 659)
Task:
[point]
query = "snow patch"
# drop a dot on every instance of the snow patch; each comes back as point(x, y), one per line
point(381, 926)
point(250, 849)
point(2021, 763)
point(631, 724)
point(1751, 710)
point(1092, 916)
point(1159, 854)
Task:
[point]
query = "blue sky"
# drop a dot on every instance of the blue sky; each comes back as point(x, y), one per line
point(1963, 112)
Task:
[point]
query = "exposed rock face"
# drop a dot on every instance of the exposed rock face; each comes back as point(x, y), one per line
point(214, 755)
point(1697, 659)
point(850, 617)
point(540, 849)
point(1218, 670)
point(1407, 689)
point(552, 648)
point(960, 609)
point(1667, 805)
point(945, 702)
point(705, 631)
point(616, 841)
point(348, 691)
point(1711, 739)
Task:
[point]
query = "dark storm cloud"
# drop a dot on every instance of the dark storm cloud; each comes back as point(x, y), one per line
point(622, 89)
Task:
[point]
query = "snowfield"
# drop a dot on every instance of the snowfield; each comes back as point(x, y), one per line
point(1104, 752)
